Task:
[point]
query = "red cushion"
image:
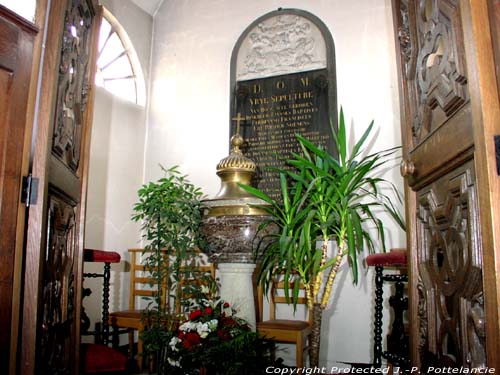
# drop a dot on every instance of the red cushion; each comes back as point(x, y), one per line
point(101, 358)
point(91, 255)
point(392, 258)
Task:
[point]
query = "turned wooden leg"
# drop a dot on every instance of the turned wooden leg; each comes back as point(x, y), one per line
point(377, 346)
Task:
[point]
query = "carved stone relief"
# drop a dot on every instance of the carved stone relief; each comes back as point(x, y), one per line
point(440, 84)
point(72, 88)
point(58, 288)
point(449, 257)
point(280, 45)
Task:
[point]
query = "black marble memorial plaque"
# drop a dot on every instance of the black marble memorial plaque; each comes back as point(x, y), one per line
point(274, 110)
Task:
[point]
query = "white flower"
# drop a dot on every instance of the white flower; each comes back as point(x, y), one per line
point(204, 289)
point(188, 326)
point(173, 362)
point(212, 325)
point(173, 343)
point(203, 330)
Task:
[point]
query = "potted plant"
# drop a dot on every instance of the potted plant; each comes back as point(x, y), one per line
point(170, 214)
point(324, 198)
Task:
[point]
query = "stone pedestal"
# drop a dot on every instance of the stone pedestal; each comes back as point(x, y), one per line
point(237, 289)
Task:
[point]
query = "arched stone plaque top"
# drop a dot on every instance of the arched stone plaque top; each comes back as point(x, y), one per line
point(281, 44)
point(282, 83)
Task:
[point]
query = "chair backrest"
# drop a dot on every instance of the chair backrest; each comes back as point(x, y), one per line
point(276, 295)
point(193, 276)
point(141, 282)
point(143, 285)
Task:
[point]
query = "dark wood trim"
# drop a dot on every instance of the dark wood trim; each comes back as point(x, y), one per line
point(410, 195)
point(486, 115)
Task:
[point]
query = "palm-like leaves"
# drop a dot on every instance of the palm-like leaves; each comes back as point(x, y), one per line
point(325, 198)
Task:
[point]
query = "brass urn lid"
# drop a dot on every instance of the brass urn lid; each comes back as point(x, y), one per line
point(233, 170)
point(236, 161)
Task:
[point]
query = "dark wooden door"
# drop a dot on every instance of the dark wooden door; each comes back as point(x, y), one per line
point(449, 112)
point(16, 46)
point(53, 265)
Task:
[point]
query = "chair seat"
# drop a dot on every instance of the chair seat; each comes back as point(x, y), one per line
point(295, 325)
point(103, 359)
point(92, 255)
point(392, 258)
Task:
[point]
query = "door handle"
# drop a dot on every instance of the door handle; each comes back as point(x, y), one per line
point(407, 168)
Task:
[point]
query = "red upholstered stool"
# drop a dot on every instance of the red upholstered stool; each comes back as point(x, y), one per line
point(397, 352)
point(99, 358)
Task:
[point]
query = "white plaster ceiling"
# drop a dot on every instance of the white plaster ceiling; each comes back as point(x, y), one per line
point(149, 6)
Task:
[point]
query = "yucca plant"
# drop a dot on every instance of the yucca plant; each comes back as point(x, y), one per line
point(323, 199)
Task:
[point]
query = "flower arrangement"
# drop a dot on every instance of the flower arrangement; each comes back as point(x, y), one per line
point(213, 340)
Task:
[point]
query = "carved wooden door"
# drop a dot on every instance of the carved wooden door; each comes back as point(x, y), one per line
point(449, 107)
point(52, 296)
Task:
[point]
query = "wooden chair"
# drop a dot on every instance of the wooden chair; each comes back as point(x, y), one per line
point(398, 348)
point(132, 318)
point(284, 330)
point(140, 286)
point(99, 358)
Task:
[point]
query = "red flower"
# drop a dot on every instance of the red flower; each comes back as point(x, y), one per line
point(226, 305)
point(208, 310)
point(229, 322)
point(223, 335)
point(192, 338)
point(195, 314)
point(181, 335)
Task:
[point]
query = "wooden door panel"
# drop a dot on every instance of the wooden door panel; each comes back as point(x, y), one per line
point(441, 122)
point(16, 44)
point(57, 339)
point(60, 283)
point(438, 96)
point(450, 269)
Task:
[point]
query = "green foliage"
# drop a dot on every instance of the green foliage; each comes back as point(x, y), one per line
point(170, 214)
point(323, 198)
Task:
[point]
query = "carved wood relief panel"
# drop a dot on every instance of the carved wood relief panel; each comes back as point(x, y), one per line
point(57, 341)
point(72, 87)
point(432, 46)
point(58, 289)
point(451, 309)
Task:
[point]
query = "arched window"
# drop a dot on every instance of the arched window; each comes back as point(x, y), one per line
point(118, 68)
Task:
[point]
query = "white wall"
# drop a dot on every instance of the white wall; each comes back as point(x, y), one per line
point(188, 119)
point(116, 169)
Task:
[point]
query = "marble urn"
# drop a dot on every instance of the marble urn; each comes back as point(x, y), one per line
point(230, 226)
point(232, 218)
